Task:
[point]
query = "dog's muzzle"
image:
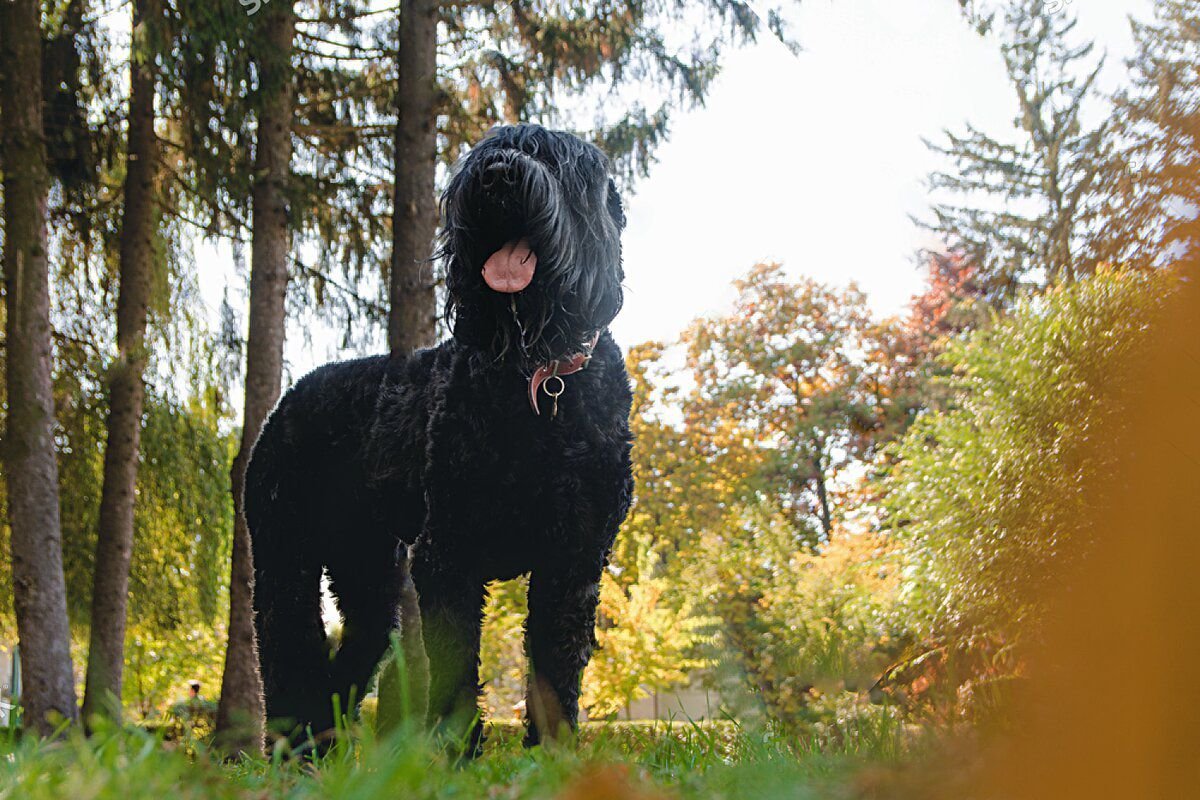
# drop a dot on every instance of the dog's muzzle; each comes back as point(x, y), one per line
point(507, 182)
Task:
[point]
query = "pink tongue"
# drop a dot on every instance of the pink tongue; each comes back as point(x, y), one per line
point(510, 269)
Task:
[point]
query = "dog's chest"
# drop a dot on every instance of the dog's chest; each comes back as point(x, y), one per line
point(516, 487)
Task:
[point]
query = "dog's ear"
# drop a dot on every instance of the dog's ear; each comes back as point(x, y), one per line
point(615, 210)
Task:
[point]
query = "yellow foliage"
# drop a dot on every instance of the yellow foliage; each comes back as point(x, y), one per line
point(645, 642)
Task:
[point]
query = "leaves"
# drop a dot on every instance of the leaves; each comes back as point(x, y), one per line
point(645, 642)
point(799, 372)
point(988, 495)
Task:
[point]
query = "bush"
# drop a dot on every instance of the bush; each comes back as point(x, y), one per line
point(800, 624)
point(988, 497)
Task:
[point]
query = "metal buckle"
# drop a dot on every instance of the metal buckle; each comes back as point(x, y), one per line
point(562, 387)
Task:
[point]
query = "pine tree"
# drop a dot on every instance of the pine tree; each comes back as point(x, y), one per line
point(517, 62)
point(240, 714)
point(1027, 210)
point(1155, 174)
point(411, 301)
point(30, 467)
point(139, 232)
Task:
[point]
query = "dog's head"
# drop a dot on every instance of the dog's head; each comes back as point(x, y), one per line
point(531, 244)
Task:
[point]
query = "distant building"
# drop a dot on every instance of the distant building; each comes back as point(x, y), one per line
point(10, 682)
point(695, 702)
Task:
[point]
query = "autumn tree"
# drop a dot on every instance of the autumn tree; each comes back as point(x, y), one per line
point(800, 619)
point(785, 370)
point(685, 481)
point(30, 467)
point(902, 362)
point(794, 386)
point(952, 300)
point(1026, 209)
point(646, 643)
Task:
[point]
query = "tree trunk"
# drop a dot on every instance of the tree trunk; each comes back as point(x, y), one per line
point(412, 306)
point(114, 541)
point(822, 498)
point(39, 589)
point(240, 713)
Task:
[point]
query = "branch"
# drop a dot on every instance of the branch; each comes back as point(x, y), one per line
point(363, 303)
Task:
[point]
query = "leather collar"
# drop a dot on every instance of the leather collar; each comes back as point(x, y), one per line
point(557, 369)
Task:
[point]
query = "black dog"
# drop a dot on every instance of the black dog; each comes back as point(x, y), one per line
point(505, 450)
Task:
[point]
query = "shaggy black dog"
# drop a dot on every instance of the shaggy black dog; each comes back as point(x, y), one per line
point(505, 450)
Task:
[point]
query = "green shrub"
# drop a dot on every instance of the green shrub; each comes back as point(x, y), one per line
point(988, 496)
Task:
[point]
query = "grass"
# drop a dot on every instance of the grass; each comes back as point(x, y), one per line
point(609, 760)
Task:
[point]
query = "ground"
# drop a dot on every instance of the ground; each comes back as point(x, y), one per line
point(611, 760)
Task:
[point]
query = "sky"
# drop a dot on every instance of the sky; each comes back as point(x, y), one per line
point(817, 160)
point(814, 160)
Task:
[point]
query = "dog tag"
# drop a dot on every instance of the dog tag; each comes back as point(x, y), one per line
point(559, 388)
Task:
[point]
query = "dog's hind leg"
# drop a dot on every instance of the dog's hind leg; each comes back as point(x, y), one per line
point(292, 648)
point(367, 588)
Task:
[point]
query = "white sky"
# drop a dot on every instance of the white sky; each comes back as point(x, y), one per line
point(813, 160)
point(816, 160)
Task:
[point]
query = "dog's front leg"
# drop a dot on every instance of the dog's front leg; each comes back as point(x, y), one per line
point(559, 637)
point(451, 617)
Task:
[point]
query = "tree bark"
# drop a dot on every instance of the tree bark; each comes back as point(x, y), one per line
point(240, 712)
point(412, 309)
point(114, 541)
point(39, 589)
point(822, 497)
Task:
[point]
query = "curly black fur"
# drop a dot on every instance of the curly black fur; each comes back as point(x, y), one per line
point(441, 447)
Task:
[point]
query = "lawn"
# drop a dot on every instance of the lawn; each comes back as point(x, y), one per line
point(610, 760)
